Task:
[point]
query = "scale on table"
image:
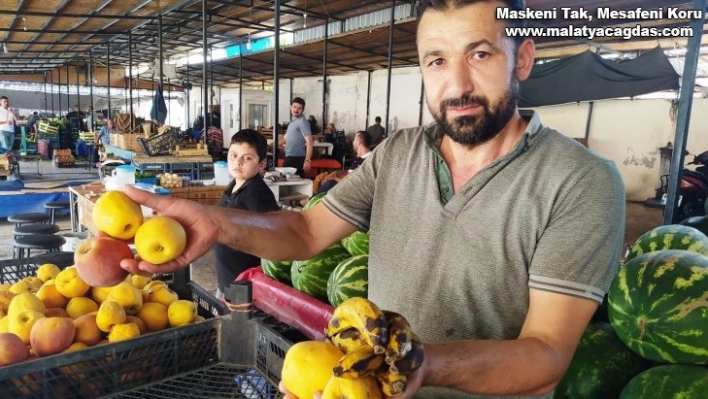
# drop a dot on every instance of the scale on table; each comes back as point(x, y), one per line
point(23, 146)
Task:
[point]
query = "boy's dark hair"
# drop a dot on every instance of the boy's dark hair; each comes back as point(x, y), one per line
point(441, 5)
point(4, 98)
point(298, 100)
point(377, 119)
point(254, 139)
point(365, 138)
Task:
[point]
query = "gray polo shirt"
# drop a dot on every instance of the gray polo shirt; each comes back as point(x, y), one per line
point(548, 215)
point(295, 145)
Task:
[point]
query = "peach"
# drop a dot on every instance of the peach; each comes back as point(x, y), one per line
point(98, 259)
point(56, 312)
point(52, 335)
point(12, 349)
point(87, 330)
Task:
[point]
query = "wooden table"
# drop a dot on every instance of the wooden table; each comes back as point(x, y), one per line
point(170, 163)
point(82, 199)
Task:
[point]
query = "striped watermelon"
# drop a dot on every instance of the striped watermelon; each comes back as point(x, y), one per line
point(278, 270)
point(671, 236)
point(357, 243)
point(601, 367)
point(314, 201)
point(310, 276)
point(671, 381)
point(350, 279)
point(658, 306)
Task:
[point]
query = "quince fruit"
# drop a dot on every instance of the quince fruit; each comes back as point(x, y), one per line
point(117, 215)
point(70, 284)
point(80, 306)
point(181, 312)
point(109, 314)
point(47, 271)
point(160, 239)
point(128, 296)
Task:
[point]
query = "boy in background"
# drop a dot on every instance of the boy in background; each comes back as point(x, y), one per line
point(248, 191)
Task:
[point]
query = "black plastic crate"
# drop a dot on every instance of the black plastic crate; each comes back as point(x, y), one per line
point(273, 339)
point(161, 144)
point(14, 270)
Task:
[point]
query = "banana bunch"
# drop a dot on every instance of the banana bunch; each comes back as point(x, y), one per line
point(376, 344)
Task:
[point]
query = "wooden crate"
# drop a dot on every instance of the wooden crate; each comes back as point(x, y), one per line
point(190, 150)
point(85, 206)
point(207, 195)
point(128, 142)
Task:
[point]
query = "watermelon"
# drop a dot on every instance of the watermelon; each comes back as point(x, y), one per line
point(601, 367)
point(658, 305)
point(310, 276)
point(314, 201)
point(698, 222)
point(278, 270)
point(671, 381)
point(357, 243)
point(349, 279)
point(671, 236)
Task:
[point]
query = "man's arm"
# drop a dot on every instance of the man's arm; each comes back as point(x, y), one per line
point(533, 364)
point(309, 145)
point(282, 235)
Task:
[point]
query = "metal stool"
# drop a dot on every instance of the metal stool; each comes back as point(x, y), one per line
point(35, 228)
point(53, 206)
point(26, 218)
point(47, 242)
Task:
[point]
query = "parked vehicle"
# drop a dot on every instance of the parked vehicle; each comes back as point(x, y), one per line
point(693, 190)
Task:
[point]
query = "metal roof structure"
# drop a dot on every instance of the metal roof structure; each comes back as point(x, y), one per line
point(41, 35)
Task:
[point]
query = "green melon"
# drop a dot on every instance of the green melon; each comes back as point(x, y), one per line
point(658, 305)
point(357, 243)
point(672, 381)
point(671, 236)
point(278, 270)
point(349, 279)
point(601, 367)
point(310, 276)
point(314, 201)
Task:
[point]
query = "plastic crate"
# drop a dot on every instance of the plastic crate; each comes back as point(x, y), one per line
point(161, 144)
point(13, 270)
point(273, 339)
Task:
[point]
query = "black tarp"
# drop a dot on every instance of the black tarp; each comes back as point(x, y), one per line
point(158, 112)
point(587, 77)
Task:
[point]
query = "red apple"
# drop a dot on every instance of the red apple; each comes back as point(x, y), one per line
point(98, 259)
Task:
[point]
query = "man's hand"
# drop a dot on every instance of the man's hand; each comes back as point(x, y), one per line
point(194, 217)
point(307, 165)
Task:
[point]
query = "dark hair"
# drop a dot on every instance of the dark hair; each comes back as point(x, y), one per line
point(442, 5)
point(4, 98)
point(254, 139)
point(377, 119)
point(298, 100)
point(365, 137)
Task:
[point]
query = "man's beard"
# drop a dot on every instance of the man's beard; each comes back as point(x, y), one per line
point(471, 130)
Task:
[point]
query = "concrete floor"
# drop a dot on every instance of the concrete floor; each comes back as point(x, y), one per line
point(639, 220)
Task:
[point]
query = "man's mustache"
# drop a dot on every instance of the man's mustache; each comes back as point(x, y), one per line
point(464, 102)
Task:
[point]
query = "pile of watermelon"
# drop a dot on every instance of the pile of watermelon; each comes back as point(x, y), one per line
point(654, 343)
point(335, 274)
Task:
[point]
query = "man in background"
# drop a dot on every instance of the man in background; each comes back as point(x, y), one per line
point(377, 131)
point(7, 124)
point(298, 139)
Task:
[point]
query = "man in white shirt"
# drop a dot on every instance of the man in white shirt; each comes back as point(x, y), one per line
point(7, 124)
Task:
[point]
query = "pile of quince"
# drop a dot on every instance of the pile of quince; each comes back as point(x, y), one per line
point(56, 311)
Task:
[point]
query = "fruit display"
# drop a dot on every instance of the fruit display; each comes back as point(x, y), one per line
point(357, 243)
point(349, 279)
point(310, 276)
point(369, 353)
point(656, 306)
point(64, 313)
point(277, 270)
point(170, 180)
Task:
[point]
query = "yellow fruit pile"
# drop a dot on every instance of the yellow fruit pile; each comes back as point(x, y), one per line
point(369, 354)
point(56, 311)
point(158, 239)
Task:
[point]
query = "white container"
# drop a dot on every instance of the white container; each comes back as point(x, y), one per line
point(221, 173)
point(124, 174)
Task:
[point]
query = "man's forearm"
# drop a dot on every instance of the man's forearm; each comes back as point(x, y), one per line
point(281, 235)
point(526, 366)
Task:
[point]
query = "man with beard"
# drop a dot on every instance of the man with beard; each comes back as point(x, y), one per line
point(495, 236)
point(298, 141)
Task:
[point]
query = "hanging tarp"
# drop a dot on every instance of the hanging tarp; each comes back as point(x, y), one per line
point(587, 77)
point(158, 112)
